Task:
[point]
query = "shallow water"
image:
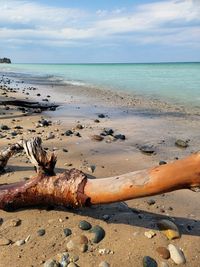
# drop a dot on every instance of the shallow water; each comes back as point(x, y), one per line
point(174, 82)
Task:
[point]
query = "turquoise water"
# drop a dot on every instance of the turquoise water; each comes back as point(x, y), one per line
point(177, 82)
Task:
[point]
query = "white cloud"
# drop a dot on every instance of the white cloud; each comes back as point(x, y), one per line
point(164, 22)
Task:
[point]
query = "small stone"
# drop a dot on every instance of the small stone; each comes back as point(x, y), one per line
point(149, 262)
point(64, 260)
point(164, 264)
point(181, 143)
point(120, 137)
point(65, 150)
point(83, 248)
point(108, 131)
point(104, 264)
point(12, 223)
point(50, 135)
point(163, 252)
point(68, 133)
point(149, 234)
point(4, 127)
point(84, 225)
point(51, 263)
point(162, 162)
point(79, 126)
point(91, 168)
point(72, 264)
point(73, 258)
point(41, 232)
point(20, 242)
point(71, 245)
point(98, 233)
point(106, 217)
point(97, 137)
point(97, 121)
point(101, 116)
point(67, 231)
point(147, 149)
point(169, 229)
point(176, 254)
point(151, 202)
point(4, 241)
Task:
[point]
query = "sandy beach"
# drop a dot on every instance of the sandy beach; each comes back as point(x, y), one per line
point(88, 112)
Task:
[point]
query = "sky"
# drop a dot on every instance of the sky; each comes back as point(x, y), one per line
point(100, 31)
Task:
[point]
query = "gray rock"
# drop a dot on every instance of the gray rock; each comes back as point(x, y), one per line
point(104, 264)
point(181, 143)
point(101, 116)
point(151, 202)
point(120, 137)
point(149, 262)
point(147, 149)
point(4, 127)
point(72, 264)
point(68, 133)
point(162, 162)
point(20, 242)
point(98, 232)
point(97, 137)
point(4, 241)
point(51, 263)
point(50, 135)
point(84, 225)
point(176, 254)
point(41, 232)
point(67, 231)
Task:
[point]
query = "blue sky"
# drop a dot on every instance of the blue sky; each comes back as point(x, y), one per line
point(79, 31)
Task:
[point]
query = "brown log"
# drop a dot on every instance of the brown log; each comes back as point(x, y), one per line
point(73, 188)
point(28, 104)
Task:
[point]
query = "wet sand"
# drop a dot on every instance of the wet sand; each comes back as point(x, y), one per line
point(143, 123)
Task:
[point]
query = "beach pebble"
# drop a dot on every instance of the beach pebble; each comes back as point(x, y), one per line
point(176, 254)
point(181, 143)
point(41, 232)
point(98, 233)
point(151, 202)
point(120, 137)
point(149, 234)
point(67, 231)
point(20, 242)
point(84, 225)
point(101, 116)
point(91, 168)
point(64, 150)
point(149, 262)
point(73, 258)
point(68, 133)
point(12, 223)
point(50, 135)
point(64, 260)
point(104, 264)
point(108, 131)
point(162, 162)
point(164, 264)
point(4, 127)
point(97, 121)
point(79, 126)
point(147, 149)
point(4, 241)
point(169, 229)
point(163, 252)
point(106, 217)
point(72, 264)
point(97, 137)
point(51, 263)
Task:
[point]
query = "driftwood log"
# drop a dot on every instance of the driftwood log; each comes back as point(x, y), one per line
point(73, 188)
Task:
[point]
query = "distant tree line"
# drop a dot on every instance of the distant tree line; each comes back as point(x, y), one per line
point(5, 60)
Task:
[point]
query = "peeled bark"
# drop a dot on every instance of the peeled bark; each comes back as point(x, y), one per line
point(73, 188)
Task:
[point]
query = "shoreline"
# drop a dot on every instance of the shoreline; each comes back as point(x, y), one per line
point(127, 223)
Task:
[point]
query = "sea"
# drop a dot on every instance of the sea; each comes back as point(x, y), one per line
point(173, 82)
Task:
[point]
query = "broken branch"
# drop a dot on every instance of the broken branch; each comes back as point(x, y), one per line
point(73, 188)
